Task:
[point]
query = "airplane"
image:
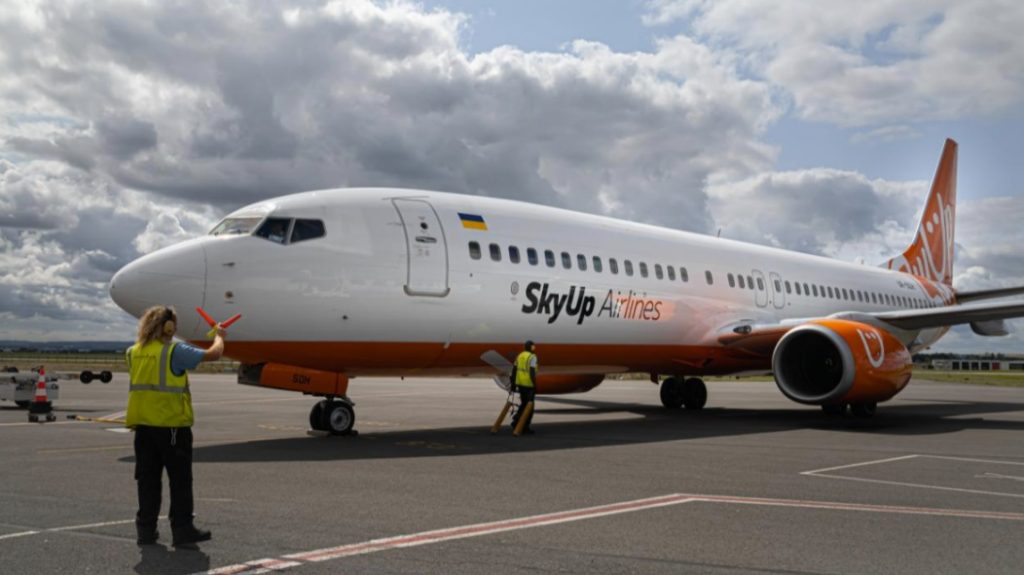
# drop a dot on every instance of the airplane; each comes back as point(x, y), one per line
point(358, 282)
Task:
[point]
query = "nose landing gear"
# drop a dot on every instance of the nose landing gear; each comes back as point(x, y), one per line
point(334, 415)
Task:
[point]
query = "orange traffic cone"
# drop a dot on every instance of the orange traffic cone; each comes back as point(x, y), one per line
point(41, 404)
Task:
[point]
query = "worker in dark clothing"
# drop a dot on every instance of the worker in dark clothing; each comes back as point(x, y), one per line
point(160, 413)
point(524, 378)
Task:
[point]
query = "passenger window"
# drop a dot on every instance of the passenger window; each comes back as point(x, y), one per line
point(566, 260)
point(643, 269)
point(874, 299)
point(788, 288)
point(629, 267)
point(798, 288)
point(815, 288)
point(613, 265)
point(581, 262)
point(531, 256)
point(760, 284)
point(275, 230)
point(671, 272)
point(778, 286)
point(806, 291)
point(683, 275)
point(474, 250)
point(513, 254)
point(743, 284)
point(830, 296)
point(597, 264)
point(549, 258)
point(732, 280)
point(708, 277)
point(750, 282)
point(304, 230)
point(495, 252)
point(658, 273)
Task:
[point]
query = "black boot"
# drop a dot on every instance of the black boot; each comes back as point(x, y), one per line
point(189, 534)
point(146, 534)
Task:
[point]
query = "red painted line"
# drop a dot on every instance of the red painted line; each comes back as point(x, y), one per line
point(966, 513)
point(485, 528)
point(479, 529)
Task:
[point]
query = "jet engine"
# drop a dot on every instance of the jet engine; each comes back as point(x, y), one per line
point(835, 361)
point(555, 383)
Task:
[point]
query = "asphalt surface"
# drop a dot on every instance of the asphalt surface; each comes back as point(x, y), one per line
point(933, 484)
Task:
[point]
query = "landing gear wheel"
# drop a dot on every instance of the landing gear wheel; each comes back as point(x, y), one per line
point(106, 376)
point(316, 416)
point(672, 393)
point(695, 393)
point(863, 409)
point(834, 409)
point(85, 376)
point(340, 417)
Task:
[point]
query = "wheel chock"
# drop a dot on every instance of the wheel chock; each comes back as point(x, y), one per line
point(501, 417)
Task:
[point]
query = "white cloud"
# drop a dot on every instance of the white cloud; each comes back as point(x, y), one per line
point(883, 61)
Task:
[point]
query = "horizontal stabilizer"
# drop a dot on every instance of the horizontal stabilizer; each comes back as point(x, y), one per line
point(968, 296)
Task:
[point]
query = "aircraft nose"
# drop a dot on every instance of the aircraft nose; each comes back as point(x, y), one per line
point(174, 276)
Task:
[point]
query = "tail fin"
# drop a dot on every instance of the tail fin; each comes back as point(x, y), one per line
point(931, 254)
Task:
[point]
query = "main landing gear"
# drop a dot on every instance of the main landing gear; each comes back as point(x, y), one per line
point(856, 409)
point(677, 392)
point(334, 415)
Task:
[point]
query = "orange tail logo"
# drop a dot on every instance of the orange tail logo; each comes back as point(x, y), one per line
point(931, 254)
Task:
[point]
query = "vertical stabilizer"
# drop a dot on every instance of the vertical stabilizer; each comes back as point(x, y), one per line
point(931, 254)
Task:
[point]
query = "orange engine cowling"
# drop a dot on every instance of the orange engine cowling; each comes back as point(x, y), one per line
point(556, 383)
point(833, 361)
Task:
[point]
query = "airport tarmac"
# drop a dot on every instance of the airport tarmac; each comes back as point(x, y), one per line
point(611, 483)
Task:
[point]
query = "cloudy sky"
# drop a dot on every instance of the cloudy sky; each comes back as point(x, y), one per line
point(128, 126)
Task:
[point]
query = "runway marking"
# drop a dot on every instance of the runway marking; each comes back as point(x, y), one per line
point(999, 476)
point(822, 473)
point(68, 528)
point(475, 530)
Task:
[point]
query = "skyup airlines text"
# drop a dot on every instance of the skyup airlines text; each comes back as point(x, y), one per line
point(578, 304)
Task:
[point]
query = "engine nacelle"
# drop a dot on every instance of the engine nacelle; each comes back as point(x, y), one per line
point(833, 361)
point(556, 383)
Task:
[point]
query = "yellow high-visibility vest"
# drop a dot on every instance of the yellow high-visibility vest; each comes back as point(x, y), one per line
point(523, 369)
point(156, 397)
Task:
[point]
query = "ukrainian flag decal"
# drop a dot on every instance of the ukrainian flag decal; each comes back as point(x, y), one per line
point(473, 221)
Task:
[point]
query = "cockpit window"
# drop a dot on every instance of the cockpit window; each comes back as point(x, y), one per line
point(307, 230)
point(236, 226)
point(274, 229)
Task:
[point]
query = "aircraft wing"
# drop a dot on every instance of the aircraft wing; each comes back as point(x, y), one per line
point(969, 296)
point(985, 319)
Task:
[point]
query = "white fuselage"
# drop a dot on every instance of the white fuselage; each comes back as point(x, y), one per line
point(392, 287)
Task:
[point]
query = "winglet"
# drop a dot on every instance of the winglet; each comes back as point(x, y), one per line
point(931, 254)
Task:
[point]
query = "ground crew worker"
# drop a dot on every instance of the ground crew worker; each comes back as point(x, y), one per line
point(160, 412)
point(524, 377)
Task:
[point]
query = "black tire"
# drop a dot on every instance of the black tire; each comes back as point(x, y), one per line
point(106, 376)
point(834, 409)
point(671, 393)
point(85, 377)
point(23, 404)
point(863, 409)
point(695, 394)
point(340, 418)
point(316, 417)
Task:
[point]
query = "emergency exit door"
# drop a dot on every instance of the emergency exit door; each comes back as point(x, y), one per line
point(427, 262)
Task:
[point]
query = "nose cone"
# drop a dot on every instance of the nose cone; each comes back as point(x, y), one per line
point(174, 276)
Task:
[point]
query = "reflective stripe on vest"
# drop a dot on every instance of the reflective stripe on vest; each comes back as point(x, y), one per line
point(523, 369)
point(156, 397)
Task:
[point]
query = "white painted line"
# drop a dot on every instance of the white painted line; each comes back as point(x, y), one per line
point(999, 476)
point(873, 462)
point(68, 528)
point(479, 529)
point(821, 473)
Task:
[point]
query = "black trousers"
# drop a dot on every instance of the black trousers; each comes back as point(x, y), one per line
point(156, 449)
point(526, 395)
